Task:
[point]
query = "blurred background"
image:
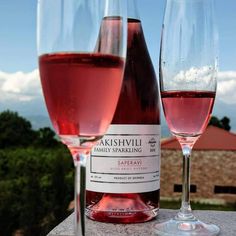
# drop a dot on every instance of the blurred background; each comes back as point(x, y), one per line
point(36, 171)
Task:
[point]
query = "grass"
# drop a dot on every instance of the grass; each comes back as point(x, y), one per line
point(198, 206)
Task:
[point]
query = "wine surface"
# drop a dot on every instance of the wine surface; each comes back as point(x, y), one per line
point(187, 112)
point(81, 91)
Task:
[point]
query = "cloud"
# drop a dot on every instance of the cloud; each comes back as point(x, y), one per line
point(226, 75)
point(202, 78)
point(20, 86)
point(226, 82)
point(226, 89)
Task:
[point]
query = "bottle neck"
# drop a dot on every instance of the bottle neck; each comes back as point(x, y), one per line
point(132, 12)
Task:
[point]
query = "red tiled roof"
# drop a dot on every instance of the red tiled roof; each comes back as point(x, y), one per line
point(213, 138)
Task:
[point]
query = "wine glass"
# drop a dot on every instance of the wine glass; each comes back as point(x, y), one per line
point(82, 49)
point(188, 69)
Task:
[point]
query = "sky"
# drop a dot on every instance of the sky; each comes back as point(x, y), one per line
point(19, 79)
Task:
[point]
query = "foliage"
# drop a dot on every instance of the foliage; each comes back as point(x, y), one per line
point(224, 123)
point(15, 130)
point(36, 188)
point(36, 177)
point(46, 138)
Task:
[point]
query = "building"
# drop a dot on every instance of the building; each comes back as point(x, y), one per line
point(213, 167)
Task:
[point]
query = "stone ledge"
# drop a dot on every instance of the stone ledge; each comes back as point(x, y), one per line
point(225, 220)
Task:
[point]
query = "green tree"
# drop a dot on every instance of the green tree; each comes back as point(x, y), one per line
point(224, 123)
point(15, 130)
point(46, 138)
point(36, 189)
point(36, 177)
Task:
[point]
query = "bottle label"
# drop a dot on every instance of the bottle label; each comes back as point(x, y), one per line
point(126, 160)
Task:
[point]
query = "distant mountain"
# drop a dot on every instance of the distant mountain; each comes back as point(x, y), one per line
point(35, 111)
point(39, 121)
point(25, 108)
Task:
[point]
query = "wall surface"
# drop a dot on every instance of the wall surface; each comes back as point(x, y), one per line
point(208, 169)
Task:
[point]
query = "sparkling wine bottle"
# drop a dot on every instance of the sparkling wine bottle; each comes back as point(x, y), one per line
point(123, 181)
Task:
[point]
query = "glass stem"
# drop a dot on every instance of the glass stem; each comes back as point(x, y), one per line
point(80, 192)
point(185, 212)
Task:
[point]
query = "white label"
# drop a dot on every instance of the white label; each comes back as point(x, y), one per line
point(126, 160)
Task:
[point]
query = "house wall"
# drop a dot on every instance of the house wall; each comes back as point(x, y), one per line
point(208, 169)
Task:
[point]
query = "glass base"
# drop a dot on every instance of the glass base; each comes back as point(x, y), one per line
point(175, 227)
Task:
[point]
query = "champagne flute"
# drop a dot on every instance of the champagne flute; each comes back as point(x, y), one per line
point(188, 69)
point(82, 49)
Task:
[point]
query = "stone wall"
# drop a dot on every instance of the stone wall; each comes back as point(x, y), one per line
point(208, 169)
